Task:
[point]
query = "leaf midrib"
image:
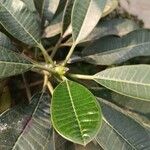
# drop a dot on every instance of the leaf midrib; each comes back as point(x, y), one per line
point(15, 63)
point(76, 115)
point(120, 81)
point(122, 93)
point(20, 24)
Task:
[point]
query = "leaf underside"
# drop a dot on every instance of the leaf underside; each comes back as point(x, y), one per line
point(132, 81)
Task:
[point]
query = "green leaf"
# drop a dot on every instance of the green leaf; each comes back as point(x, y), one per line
point(27, 127)
point(12, 63)
point(119, 131)
point(47, 8)
point(75, 114)
point(132, 81)
point(114, 50)
point(19, 21)
point(67, 15)
point(85, 16)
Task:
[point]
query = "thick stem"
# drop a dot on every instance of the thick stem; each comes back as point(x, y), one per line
point(50, 87)
point(45, 54)
point(80, 76)
point(45, 81)
point(69, 54)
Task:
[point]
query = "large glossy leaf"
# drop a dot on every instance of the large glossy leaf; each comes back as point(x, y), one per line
point(119, 131)
point(132, 81)
point(47, 8)
point(12, 63)
point(27, 127)
point(19, 21)
point(75, 114)
point(85, 16)
point(114, 50)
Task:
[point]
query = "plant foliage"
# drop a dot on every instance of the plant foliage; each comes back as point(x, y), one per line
point(95, 69)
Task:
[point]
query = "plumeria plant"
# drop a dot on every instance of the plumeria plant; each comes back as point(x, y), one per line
point(93, 97)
